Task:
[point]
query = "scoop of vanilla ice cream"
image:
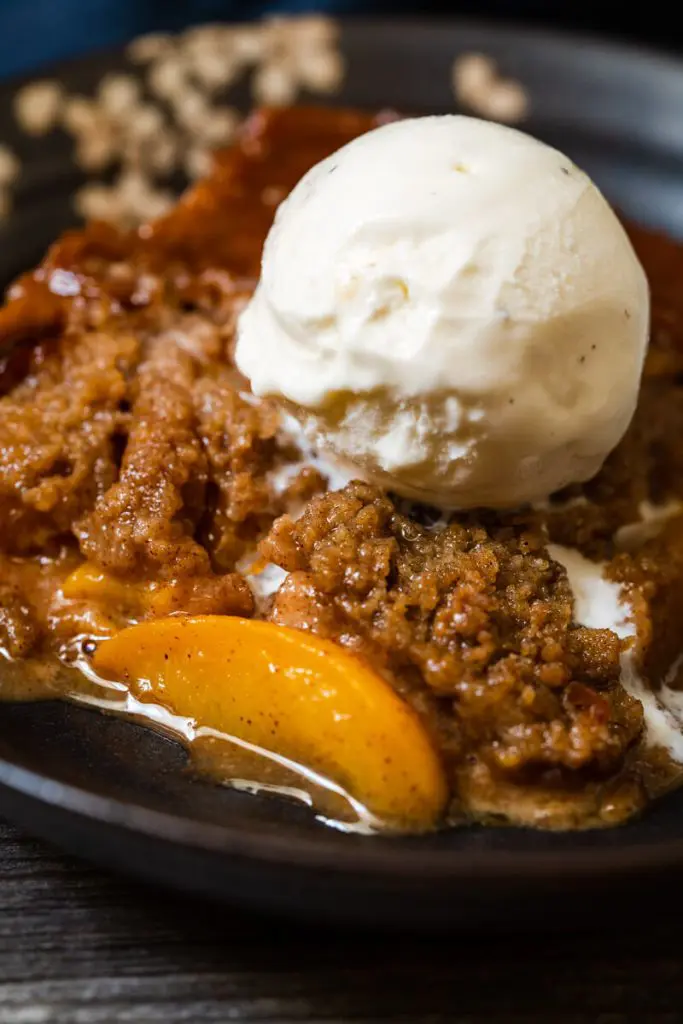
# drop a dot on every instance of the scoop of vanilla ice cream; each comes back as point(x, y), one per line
point(452, 310)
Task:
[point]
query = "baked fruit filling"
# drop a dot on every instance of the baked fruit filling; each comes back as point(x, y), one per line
point(169, 540)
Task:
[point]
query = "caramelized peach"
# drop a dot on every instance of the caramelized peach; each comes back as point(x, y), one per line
point(87, 582)
point(292, 694)
point(142, 599)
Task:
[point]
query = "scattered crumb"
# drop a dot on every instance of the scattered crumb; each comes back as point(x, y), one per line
point(197, 163)
point(9, 171)
point(118, 94)
point(507, 103)
point(130, 199)
point(322, 71)
point(37, 107)
point(150, 47)
point(298, 53)
point(274, 85)
point(79, 115)
point(96, 202)
point(94, 152)
point(9, 165)
point(478, 85)
point(219, 125)
point(166, 77)
point(190, 108)
point(163, 154)
point(147, 140)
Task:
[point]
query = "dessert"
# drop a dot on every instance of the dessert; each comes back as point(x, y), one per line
point(453, 311)
point(175, 551)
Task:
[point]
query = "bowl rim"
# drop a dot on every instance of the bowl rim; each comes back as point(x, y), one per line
point(316, 850)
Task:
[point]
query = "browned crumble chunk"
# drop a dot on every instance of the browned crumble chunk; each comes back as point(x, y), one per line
point(480, 613)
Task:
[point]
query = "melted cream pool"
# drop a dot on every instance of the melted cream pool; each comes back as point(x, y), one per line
point(651, 520)
point(600, 604)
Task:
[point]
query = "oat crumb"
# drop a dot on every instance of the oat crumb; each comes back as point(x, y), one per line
point(147, 48)
point(119, 94)
point(479, 86)
point(147, 141)
point(38, 105)
point(9, 165)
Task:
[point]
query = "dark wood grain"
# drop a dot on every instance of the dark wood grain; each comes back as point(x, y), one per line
point(78, 946)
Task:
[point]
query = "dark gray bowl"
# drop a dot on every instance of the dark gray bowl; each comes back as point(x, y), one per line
point(119, 794)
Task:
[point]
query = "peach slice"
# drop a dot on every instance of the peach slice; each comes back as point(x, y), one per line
point(290, 693)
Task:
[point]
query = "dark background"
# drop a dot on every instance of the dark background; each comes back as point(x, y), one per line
point(35, 32)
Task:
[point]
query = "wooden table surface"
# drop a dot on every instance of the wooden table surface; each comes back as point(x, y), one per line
point(79, 946)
